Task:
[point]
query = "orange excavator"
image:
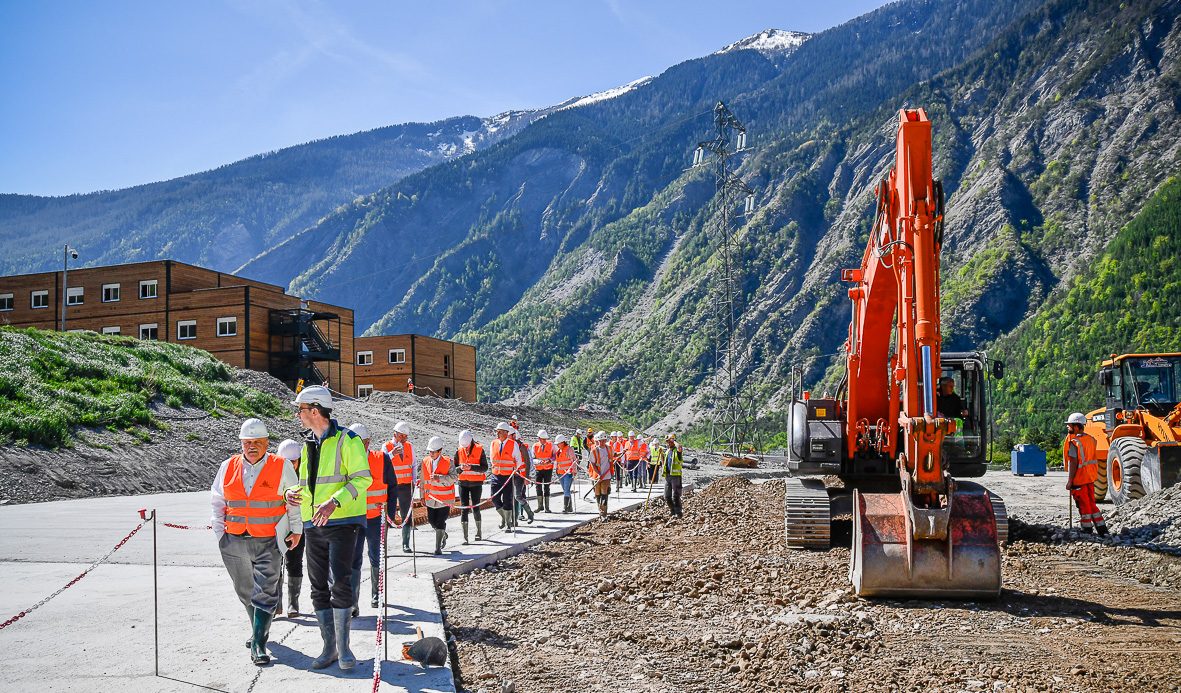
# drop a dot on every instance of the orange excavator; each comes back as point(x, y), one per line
point(908, 422)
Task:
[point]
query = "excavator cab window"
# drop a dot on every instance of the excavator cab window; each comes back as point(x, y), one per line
point(1152, 382)
point(961, 397)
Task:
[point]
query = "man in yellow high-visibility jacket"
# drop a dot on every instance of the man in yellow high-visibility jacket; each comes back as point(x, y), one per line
point(334, 480)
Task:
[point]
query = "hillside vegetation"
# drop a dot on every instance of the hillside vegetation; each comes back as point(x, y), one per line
point(53, 383)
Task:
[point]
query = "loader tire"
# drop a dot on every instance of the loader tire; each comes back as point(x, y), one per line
point(1101, 481)
point(1125, 461)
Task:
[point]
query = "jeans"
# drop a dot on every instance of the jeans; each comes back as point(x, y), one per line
point(330, 564)
point(567, 480)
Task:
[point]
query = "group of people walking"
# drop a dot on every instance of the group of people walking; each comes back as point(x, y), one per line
point(322, 500)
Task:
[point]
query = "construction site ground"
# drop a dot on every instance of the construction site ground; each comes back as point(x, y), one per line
point(715, 602)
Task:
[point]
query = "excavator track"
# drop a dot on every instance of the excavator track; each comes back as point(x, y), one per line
point(1002, 518)
point(807, 518)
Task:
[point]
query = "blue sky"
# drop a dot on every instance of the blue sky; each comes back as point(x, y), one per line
point(105, 95)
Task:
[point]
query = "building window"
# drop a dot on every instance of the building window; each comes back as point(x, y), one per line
point(397, 356)
point(149, 331)
point(147, 288)
point(364, 390)
point(5, 301)
point(40, 299)
point(111, 330)
point(186, 329)
point(74, 296)
point(364, 358)
point(227, 327)
point(446, 366)
point(447, 392)
point(110, 293)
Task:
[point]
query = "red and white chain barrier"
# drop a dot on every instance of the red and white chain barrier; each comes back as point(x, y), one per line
point(176, 526)
point(377, 658)
point(73, 582)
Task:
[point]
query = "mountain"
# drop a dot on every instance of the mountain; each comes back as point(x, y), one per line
point(223, 217)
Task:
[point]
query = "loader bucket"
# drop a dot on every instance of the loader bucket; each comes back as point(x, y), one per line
point(887, 561)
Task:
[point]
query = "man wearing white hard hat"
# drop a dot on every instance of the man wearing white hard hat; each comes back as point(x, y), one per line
point(521, 480)
point(506, 455)
point(254, 525)
point(291, 450)
point(438, 489)
point(565, 466)
point(376, 497)
point(473, 470)
point(332, 496)
point(543, 465)
point(400, 474)
point(600, 467)
point(1081, 460)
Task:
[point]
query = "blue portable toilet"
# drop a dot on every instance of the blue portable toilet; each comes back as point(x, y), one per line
point(1028, 459)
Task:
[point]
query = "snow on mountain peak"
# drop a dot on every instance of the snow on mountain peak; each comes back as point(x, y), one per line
point(773, 41)
point(603, 95)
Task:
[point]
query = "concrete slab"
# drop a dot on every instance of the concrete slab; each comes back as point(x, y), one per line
point(98, 635)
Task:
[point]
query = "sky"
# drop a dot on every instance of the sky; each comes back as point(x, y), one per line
point(107, 95)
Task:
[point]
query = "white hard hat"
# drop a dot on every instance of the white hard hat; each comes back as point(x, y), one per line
point(314, 394)
point(543, 434)
point(290, 450)
point(1077, 418)
point(559, 439)
point(502, 426)
point(465, 438)
point(402, 427)
point(435, 443)
point(601, 435)
point(253, 429)
point(631, 434)
point(360, 430)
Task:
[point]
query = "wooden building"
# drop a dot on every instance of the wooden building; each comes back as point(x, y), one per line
point(436, 366)
point(246, 323)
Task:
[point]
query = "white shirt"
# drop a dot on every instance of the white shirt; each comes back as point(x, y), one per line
point(291, 522)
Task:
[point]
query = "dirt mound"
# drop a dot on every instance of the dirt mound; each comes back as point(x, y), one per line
point(1153, 521)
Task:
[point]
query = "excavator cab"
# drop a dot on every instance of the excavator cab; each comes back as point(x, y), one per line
point(962, 396)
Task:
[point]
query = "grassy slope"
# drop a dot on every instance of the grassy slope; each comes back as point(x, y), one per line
point(52, 383)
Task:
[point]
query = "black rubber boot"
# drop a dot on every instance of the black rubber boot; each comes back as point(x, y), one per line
point(328, 636)
point(294, 583)
point(464, 524)
point(341, 618)
point(439, 534)
point(374, 575)
point(262, 627)
point(406, 529)
point(479, 530)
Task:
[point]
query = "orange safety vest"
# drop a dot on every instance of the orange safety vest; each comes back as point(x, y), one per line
point(377, 487)
point(1088, 462)
point(636, 451)
point(403, 464)
point(444, 493)
point(503, 463)
point(471, 456)
point(616, 448)
point(543, 455)
point(257, 512)
point(565, 460)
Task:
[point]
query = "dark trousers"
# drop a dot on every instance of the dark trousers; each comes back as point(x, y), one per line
point(330, 564)
point(294, 559)
point(469, 494)
point(400, 497)
point(519, 491)
point(544, 477)
point(502, 492)
point(372, 535)
point(438, 517)
point(672, 494)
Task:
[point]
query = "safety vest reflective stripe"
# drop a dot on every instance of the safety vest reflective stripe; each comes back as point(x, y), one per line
point(403, 464)
point(1084, 448)
point(637, 451)
point(436, 490)
point(543, 455)
point(330, 480)
point(565, 460)
point(254, 513)
point(503, 463)
point(471, 456)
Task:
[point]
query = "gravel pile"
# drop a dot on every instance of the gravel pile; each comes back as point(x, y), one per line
point(1153, 521)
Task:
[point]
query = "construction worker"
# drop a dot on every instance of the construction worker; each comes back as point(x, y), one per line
point(655, 465)
point(473, 470)
point(514, 423)
point(1082, 468)
point(291, 450)
point(376, 497)
point(947, 402)
point(410, 385)
point(575, 442)
point(400, 454)
point(636, 454)
point(565, 466)
point(437, 484)
point(599, 468)
point(521, 481)
point(615, 448)
point(671, 456)
point(332, 497)
point(543, 467)
point(253, 526)
point(506, 455)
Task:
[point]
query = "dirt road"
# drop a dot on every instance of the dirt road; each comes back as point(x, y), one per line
point(714, 602)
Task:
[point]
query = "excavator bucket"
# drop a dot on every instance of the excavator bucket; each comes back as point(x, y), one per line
point(888, 561)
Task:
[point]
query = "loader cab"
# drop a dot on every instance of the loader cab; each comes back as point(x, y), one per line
point(962, 394)
point(1141, 381)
